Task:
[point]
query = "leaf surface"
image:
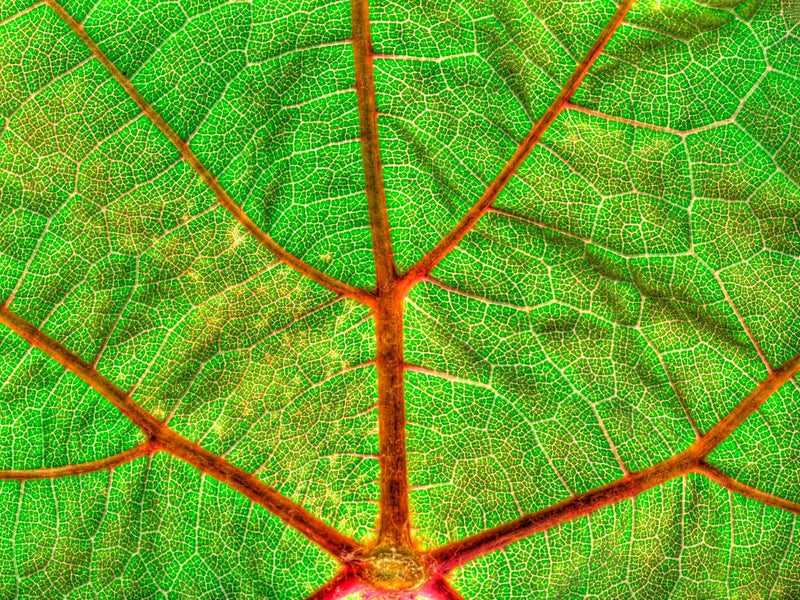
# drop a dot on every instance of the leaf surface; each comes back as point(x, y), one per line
point(200, 208)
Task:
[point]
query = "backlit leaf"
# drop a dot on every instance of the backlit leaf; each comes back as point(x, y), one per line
point(530, 266)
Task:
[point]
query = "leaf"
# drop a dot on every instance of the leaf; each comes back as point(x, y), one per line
point(434, 300)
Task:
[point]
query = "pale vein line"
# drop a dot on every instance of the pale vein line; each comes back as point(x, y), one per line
point(642, 125)
point(424, 59)
point(585, 239)
point(761, 354)
point(305, 390)
point(202, 365)
point(22, 12)
point(113, 327)
point(460, 380)
point(300, 49)
point(786, 549)
point(662, 361)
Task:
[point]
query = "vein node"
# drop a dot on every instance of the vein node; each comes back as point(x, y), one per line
point(394, 570)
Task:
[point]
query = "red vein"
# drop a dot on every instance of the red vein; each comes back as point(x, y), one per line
point(733, 485)
point(440, 589)
point(427, 263)
point(395, 524)
point(93, 466)
point(453, 555)
point(340, 586)
point(189, 156)
point(165, 439)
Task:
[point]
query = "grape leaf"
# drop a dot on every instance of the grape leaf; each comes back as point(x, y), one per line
point(425, 300)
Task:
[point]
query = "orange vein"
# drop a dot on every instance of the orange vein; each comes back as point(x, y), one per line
point(163, 438)
point(733, 485)
point(427, 263)
point(370, 145)
point(690, 460)
point(746, 407)
point(102, 464)
point(395, 523)
point(189, 156)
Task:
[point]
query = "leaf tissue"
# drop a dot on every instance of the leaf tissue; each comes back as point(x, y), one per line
point(469, 299)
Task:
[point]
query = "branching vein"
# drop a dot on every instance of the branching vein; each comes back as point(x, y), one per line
point(191, 158)
point(690, 460)
point(163, 438)
point(93, 466)
point(728, 482)
point(428, 262)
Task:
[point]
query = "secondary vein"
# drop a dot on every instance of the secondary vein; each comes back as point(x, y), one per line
point(691, 460)
point(222, 196)
point(729, 483)
point(428, 262)
point(163, 438)
point(93, 466)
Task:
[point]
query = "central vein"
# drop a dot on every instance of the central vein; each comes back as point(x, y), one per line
point(395, 528)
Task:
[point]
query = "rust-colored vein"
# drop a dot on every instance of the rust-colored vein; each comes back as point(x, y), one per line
point(394, 525)
point(93, 466)
point(370, 144)
point(427, 263)
point(690, 460)
point(395, 522)
point(746, 407)
point(299, 265)
point(733, 485)
point(453, 555)
point(163, 438)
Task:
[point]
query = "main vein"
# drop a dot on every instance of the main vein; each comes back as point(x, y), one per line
point(428, 262)
point(163, 438)
point(370, 146)
point(190, 157)
point(395, 526)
